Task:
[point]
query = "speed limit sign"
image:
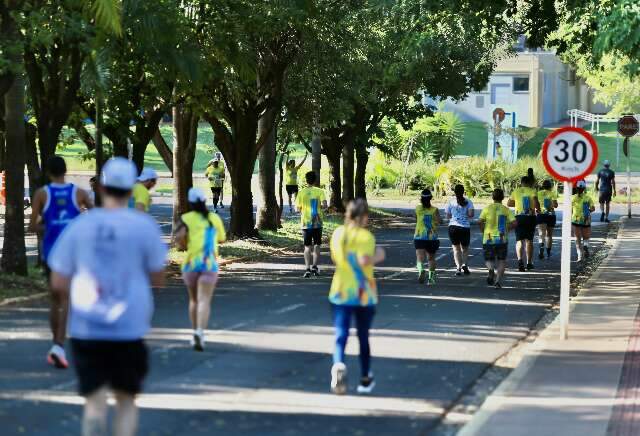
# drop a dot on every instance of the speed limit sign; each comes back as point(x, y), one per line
point(569, 154)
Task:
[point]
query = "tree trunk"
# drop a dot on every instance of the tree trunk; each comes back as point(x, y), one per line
point(362, 158)
point(347, 172)
point(242, 224)
point(267, 213)
point(335, 190)
point(14, 257)
point(185, 133)
point(316, 152)
point(34, 170)
point(163, 149)
point(280, 188)
point(2, 133)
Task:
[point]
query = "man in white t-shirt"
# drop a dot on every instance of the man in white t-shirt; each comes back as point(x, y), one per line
point(107, 260)
point(459, 210)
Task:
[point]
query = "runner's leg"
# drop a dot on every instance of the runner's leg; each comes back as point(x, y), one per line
point(126, 417)
point(316, 255)
point(206, 287)
point(191, 282)
point(364, 318)
point(420, 258)
point(607, 209)
point(308, 256)
point(501, 266)
point(529, 251)
point(578, 233)
point(542, 235)
point(94, 418)
point(586, 236)
point(341, 323)
point(458, 256)
point(58, 317)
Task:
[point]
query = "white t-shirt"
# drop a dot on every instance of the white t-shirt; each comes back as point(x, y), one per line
point(109, 254)
point(459, 214)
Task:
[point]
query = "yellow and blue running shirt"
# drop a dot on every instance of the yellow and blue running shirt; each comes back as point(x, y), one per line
point(352, 284)
point(215, 176)
point(140, 195)
point(497, 218)
point(581, 205)
point(546, 197)
point(426, 223)
point(292, 176)
point(525, 200)
point(203, 240)
point(309, 203)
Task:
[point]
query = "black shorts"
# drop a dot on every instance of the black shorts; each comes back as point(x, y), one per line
point(526, 228)
point(546, 218)
point(121, 365)
point(582, 226)
point(495, 251)
point(312, 236)
point(216, 191)
point(460, 235)
point(292, 189)
point(429, 246)
point(605, 197)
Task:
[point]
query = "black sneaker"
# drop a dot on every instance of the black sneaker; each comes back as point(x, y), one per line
point(307, 274)
point(541, 253)
point(491, 277)
point(198, 342)
point(601, 217)
point(586, 252)
point(315, 272)
point(521, 266)
point(465, 270)
point(548, 253)
point(221, 206)
point(606, 220)
point(458, 272)
point(530, 266)
point(498, 285)
point(366, 384)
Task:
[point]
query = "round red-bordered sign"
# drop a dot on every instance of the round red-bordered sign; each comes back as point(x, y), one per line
point(569, 154)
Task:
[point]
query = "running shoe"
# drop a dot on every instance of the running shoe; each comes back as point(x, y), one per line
point(307, 274)
point(530, 266)
point(422, 276)
point(315, 272)
point(548, 253)
point(366, 384)
point(198, 341)
point(498, 285)
point(459, 272)
point(606, 220)
point(432, 278)
point(586, 252)
point(601, 217)
point(491, 277)
point(541, 253)
point(57, 357)
point(290, 210)
point(221, 206)
point(339, 378)
point(521, 267)
point(465, 270)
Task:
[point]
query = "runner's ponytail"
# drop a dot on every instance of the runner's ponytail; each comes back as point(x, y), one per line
point(201, 208)
point(425, 199)
point(459, 191)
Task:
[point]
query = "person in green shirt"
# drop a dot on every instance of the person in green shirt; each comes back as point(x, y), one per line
point(292, 179)
point(311, 203)
point(141, 195)
point(526, 204)
point(546, 218)
point(496, 220)
point(582, 206)
point(425, 238)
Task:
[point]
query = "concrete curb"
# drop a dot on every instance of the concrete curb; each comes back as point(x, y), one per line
point(25, 299)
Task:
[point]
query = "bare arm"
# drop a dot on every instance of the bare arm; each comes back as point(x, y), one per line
point(555, 204)
point(140, 207)
point(306, 154)
point(36, 209)
point(598, 182)
point(378, 257)
point(481, 225)
point(181, 237)
point(471, 212)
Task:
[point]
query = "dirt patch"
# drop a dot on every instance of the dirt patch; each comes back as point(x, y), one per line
point(13, 286)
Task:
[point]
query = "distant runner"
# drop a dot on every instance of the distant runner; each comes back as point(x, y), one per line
point(106, 261)
point(311, 202)
point(546, 218)
point(459, 211)
point(606, 187)
point(292, 179)
point(141, 197)
point(54, 206)
point(215, 174)
point(582, 208)
point(353, 293)
point(425, 239)
point(526, 204)
point(200, 232)
point(496, 221)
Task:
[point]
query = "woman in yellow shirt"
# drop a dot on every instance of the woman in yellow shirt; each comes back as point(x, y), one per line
point(425, 238)
point(582, 206)
point(200, 232)
point(353, 292)
point(292, 179)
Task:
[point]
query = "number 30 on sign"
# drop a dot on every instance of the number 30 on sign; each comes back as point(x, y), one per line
point(570, 154)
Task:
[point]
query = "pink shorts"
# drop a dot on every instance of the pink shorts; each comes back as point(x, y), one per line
point(191, 279)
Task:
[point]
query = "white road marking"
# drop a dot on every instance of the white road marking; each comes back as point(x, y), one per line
point(289, 308)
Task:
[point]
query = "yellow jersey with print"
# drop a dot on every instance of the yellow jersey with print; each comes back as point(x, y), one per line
point(352, 284)
point(497, 219)
point(140, 195)
point(426, 223)
point(546, 197)
point(215, 176)
point(292, 176)
point(204, 236)
point(309, 203)
point(525, 199)
point(581, 205)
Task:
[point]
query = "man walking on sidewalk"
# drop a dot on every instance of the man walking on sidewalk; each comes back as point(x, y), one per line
point(106, 261)
point(606, 187)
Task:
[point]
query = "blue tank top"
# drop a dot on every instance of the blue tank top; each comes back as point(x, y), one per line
point(60, 209)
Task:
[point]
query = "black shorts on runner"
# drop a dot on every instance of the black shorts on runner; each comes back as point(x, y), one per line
point(460, 235)
point(429, 246)
point(121, 365)
point(312, 236)
point(495, 251)
point(548, 219)
point(605, 197)
point(526, 228)
point(216, 191)
point(292, 189)
point(582, 226)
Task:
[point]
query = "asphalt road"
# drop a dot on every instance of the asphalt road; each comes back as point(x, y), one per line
point(265, 370)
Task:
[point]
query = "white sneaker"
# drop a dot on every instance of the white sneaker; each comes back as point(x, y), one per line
point(366, 384)
point(57, 357)
point(339, 378)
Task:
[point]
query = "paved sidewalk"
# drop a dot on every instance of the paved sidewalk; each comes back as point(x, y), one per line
point(588, 384)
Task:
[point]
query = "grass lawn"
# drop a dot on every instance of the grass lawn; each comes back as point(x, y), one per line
point(12, 286)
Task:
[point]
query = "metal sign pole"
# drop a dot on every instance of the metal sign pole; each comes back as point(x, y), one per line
point(628, 178)
point(565, 263)
point(617, 150)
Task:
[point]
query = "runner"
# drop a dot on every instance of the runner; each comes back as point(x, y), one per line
point(224, 169)
point(526, 203)
point(54, 206)
point(606, 187)
point(546, 218)
point(93, 185)
point(200, 232)
point(459, 211)
point(292, 179)
point(496, 220)
point(425, 238)
point(106, 261)
point(215, 174)
point(311, 201)
point(582, 207)
point(353, 292)
point(141, 198)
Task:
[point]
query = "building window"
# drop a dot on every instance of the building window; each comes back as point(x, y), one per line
point(521, 84)
point(479, 101)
